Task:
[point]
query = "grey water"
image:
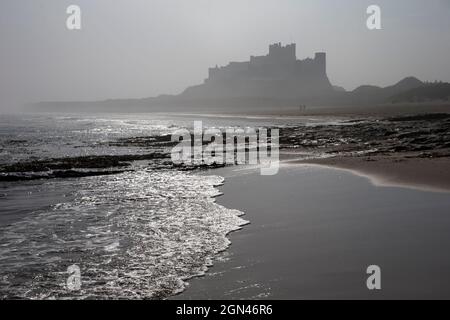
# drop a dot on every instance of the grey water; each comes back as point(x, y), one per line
point(138, 234)
point(145, 233)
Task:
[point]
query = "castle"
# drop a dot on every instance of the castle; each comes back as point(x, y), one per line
point(281, 62)
point(279, 74)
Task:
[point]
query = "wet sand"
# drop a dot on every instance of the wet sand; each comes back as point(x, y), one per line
point(315, 230)
point(425, 174)
point(347, 111)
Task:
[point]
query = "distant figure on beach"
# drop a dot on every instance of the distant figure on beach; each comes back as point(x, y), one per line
point(302, 108)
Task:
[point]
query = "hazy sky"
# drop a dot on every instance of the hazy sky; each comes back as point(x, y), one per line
point(140, 48)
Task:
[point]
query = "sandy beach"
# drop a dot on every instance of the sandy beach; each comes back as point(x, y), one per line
point(351, 192)
point(409, 150)
point(339, 111)
point(295, 248)
point(425, 174)
point(234, 151)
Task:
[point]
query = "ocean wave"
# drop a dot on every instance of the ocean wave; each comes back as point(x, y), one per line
point(133, 235)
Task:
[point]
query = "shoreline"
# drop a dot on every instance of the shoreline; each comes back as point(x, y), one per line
point(428, 174)
point(318, 233)
point(387, 109)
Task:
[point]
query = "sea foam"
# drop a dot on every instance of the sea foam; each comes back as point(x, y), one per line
point(133, 235)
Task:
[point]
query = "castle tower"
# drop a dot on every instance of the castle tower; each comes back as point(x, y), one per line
point(279, 53)
point(321, 62)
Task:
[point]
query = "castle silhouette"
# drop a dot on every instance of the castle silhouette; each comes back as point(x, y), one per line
point(279, 74)
point(275, 80)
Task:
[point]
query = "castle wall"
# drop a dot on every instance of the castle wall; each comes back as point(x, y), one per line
point(321, 62)
point(280, 64)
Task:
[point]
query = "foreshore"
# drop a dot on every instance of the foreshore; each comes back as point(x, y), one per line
point(410, 150)
point(373, 191)
point(431, 174)
point(314, 231)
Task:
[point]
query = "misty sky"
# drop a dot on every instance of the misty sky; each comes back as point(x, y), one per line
point(141, 48)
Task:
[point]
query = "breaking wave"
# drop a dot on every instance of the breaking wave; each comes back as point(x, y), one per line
point(133, 235)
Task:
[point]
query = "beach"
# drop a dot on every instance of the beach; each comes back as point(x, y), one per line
point(313, 232)
point(425, 174)
point(411, 151)
point(224, 150)
point(101, 193)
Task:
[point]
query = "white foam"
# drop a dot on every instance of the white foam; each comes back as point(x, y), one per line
point(133, 235)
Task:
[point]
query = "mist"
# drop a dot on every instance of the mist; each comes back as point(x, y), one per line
point(143, 48)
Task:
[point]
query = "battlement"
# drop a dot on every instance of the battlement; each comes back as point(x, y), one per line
point(286, 53)
point(278, 54)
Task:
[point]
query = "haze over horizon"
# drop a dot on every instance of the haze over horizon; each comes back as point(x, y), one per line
point(139, 48)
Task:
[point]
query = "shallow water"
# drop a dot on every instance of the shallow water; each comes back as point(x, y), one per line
point(133, 235)
point(26, 137)
point(138, 234)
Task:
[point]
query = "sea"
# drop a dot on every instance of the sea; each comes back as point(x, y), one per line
point(138, 234)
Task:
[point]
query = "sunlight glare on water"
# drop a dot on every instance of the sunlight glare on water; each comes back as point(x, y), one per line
point(133, 235)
